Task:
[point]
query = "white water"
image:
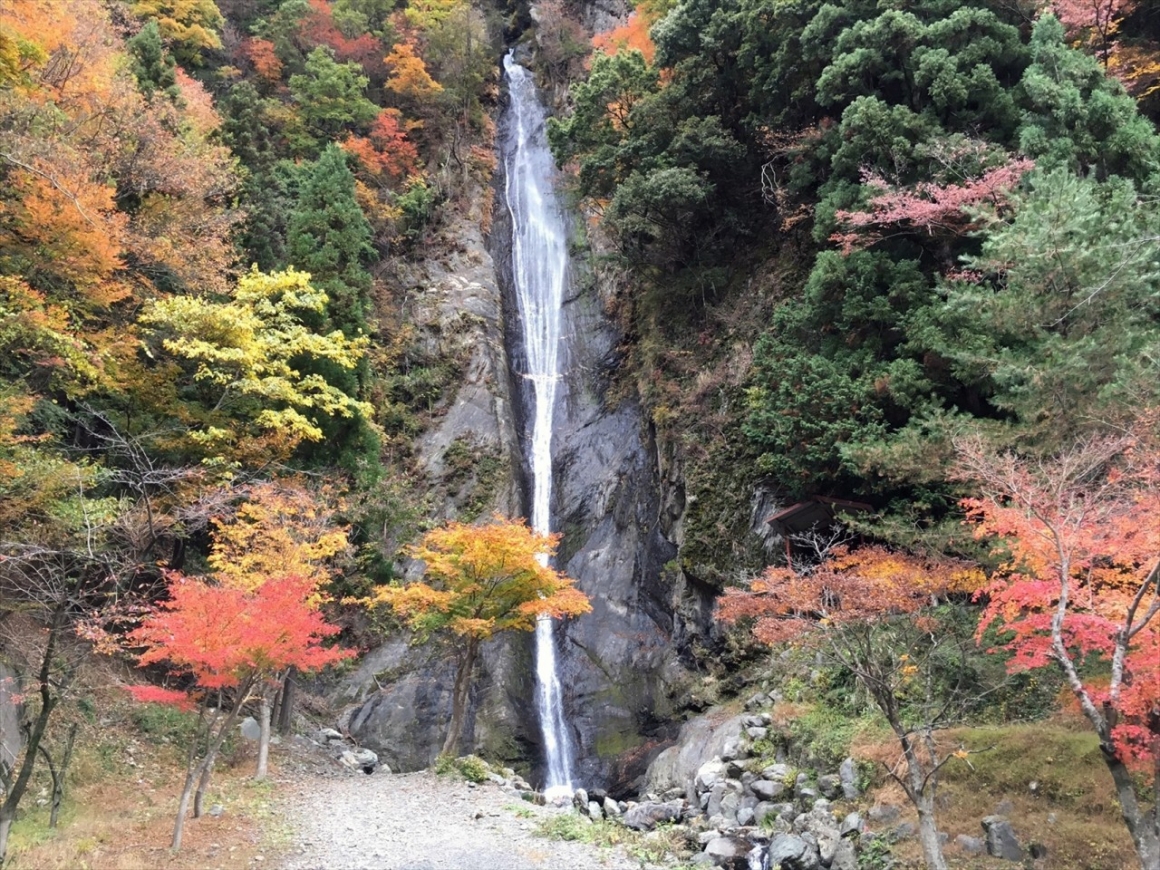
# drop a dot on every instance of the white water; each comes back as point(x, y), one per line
point(540, 269)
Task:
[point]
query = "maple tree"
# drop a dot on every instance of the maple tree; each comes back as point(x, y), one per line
point(231, 643)
point(1080, 585)
point(480, 581)
point(633, 35)
point(408, 77)
point(872, 611)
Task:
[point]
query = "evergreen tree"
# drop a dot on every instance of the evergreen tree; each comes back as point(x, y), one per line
point(153, 66)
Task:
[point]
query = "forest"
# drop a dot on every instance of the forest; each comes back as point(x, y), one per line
point(899, 255)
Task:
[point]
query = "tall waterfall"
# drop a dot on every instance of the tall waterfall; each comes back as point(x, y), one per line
point(540, 269)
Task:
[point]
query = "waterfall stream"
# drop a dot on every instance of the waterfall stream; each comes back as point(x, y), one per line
point(540, 270)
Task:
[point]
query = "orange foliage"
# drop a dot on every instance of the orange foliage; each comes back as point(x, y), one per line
point(387, 150)
point(852, 586)
point(481, 580)
point(630, 36)
point(408, 75)
point(267, 64)
point(317, 27)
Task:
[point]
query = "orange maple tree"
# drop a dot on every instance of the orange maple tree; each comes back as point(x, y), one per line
point(633, 35)
point(227, 641)
point(480, 581)
point(872, 612)
point(1080, 583)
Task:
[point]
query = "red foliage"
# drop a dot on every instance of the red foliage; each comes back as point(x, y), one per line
point(223, 635)
point(317, 27)
point(934, 209)
point(1080, 581)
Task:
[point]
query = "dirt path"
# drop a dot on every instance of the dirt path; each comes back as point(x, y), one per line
point(420, 821)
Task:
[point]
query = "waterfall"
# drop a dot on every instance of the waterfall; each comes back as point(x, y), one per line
point(539, 269)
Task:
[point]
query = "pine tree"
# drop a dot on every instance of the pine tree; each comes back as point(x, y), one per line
point(153, 66)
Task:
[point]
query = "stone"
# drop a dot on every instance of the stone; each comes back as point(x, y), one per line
point(734, 750)
point(329, 735)
point(852, 824)
point(699, 741)
point(767, 790)
point(752, 721)
point(745, 816)
point(702, 859)
point(778, 772)
point(830, 785)
point(216, 810)
point(807, 796)
point(705, 837)
point(763, 811)
point(883, 814)
point(730, 852)
point(611, 808)
point(905, 831)
point(730, 804)
point(791, 852)
point(757, 732)
point(757, 701)
point(595, 811)
point(845, 857)
point(646, 816)
point(709, 774)
point(251, 730)
point(580, 799)
point(365, 760)
point(1001, 839)
point(1038, 851)
point(715, 798)
point(848, 776)
point(971, 845)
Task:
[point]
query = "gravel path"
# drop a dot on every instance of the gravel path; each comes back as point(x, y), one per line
point(420, 821)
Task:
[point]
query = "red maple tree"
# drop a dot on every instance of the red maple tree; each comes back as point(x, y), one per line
point(228, 641)
point(1080, 585)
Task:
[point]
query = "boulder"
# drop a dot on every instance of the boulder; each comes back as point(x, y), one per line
point(756, 702)
point(777, 772)
point(611, 808)
point(848, 776)
point(580, 799)
point(767, 790)
point(251, 730)
point(852, 824)
point(360, 759)
point(845, 857)
point(1001, 839)
point(646, 816)
point(745, 816)
point(971, 845)
point(883, 814)
point(329, 735)
point(730, 852)
point(757, 732)
point(595, 811)
point(709, 774)
point(700, 741)
point(790, 852)
point(830, 786)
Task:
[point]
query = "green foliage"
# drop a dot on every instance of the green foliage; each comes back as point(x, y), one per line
point(153, 66)
point(331, 98)
point(471, 767)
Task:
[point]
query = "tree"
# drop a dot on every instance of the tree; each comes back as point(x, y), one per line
point(192, 26)
point(873, 612)
point(230, 642)
point(331, 96)
point(240, 360)
point(1079, 590)
point(481, 581)
point(153, 66)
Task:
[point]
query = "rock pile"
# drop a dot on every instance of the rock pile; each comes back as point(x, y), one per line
point(351, 757)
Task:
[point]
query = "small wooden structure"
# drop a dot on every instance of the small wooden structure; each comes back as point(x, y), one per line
point(815, 512)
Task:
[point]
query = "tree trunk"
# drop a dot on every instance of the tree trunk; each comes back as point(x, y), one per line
point(58, 781)
point(203, 786)
point(921, 793)
point(6, 820)
point(289, 690)
point(1142, 825)
point(459, 697)
point(263, 738)
point(191, 776)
